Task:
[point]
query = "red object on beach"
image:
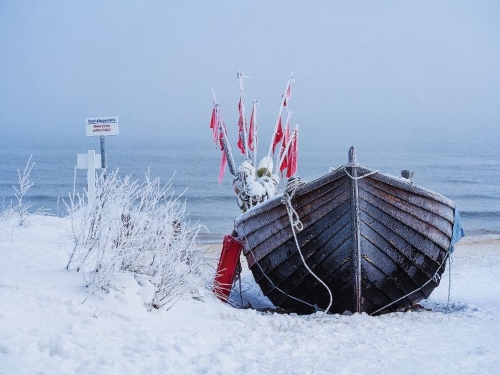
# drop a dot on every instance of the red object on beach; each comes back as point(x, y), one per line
point(228, 264)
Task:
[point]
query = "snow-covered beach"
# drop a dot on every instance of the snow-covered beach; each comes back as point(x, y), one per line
point(119, 280)
point(50, 325)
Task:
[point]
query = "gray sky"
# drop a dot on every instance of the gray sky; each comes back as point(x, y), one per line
point(369, 64)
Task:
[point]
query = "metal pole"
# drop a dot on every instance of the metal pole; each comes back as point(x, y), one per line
point(103, 153)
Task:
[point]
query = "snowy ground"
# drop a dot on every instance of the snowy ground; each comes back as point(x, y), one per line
point(48, 324)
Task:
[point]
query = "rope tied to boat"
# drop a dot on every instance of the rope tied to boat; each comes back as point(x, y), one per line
point(278, 288)
point(358, 177)
point(291, 188)
point(296, 224)
point(435, 278)
point(450, 261)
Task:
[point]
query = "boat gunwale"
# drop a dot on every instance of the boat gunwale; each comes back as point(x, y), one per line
point(336, 174)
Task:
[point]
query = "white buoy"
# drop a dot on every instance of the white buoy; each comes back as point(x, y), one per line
point(265, 166)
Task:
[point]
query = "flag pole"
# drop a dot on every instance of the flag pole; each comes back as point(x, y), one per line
point(294, 134)
point(242, 101)
point(283, 146)
point(225, 143)
point(255, 103)
point(290, 80)
point(229, 155)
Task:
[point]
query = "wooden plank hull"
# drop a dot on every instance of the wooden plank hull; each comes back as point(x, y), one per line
point(378, 242)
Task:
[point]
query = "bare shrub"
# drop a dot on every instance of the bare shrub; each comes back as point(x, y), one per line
point(22, 209)
point(140, 229)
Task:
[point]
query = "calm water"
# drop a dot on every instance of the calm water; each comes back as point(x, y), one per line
point(465, 167)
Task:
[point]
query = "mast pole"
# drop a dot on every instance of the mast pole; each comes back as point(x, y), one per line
point(290, 80)
point(225, 141)
point(242, 102)
point(254, 136)
point(294, 134)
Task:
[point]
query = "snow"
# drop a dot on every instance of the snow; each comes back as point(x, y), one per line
point(50, 325)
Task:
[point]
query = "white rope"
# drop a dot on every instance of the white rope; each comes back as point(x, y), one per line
point(277, 288)
point(359, 177)
point(434, 278)
point(238, 278)
point(296, 224)
point(288, 194)
point(449, 283)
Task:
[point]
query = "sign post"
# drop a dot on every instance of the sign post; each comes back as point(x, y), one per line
point(102, 127)
point(89, 161)
point(103, 153)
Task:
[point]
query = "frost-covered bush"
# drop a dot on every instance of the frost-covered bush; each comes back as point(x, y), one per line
point(7, 211)
point(22, 209)
point(138, 228)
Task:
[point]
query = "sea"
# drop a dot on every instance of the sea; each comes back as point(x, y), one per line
point(463, 165)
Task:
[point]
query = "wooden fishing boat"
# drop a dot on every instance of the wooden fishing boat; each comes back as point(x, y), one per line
point(369, 242)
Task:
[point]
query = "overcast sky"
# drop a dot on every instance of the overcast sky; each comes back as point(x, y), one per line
point(366, 64)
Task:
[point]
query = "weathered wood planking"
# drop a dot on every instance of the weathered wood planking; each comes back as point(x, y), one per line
point(372, 240)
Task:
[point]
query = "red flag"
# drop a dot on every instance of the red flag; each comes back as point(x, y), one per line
point(220, 142)
point(251, 130)
point(278, 135)
point(223, 164)
point(286, 138)
point(213, 120)
point(241, 144)
point(293, 154)
point(287, 95)
point(219, 139)
point(214, 125)
point(288, 92)
point(240, 135)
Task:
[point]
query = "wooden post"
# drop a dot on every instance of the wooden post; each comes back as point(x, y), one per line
point(91, 176)
point(90, 162)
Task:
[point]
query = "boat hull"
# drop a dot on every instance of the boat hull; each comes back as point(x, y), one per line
point(378, 242)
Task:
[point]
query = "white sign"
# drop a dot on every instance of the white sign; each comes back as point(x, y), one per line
point(82, 161)
point(102, 126)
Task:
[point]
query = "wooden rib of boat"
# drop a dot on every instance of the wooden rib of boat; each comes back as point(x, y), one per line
point(378, 242)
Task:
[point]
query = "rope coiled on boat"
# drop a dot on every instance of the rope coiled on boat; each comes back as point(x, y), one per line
point(297, 225)
point(288, 194)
